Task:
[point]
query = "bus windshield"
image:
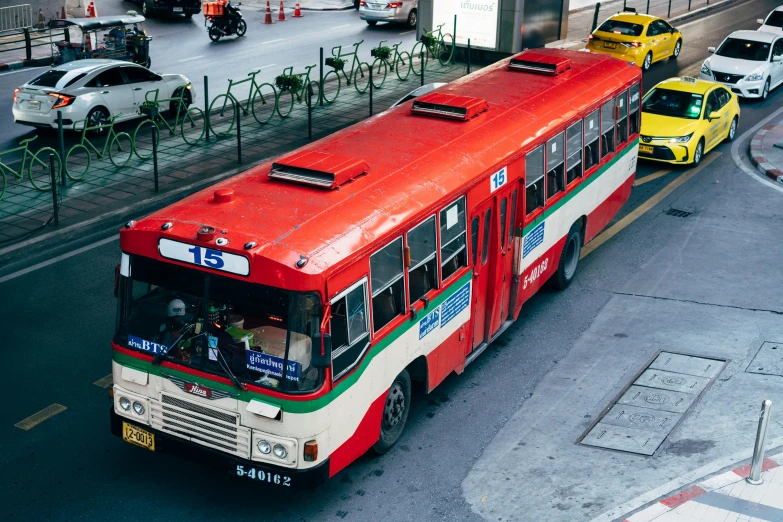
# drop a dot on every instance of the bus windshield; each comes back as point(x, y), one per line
point(677, 104)
point(207, 322)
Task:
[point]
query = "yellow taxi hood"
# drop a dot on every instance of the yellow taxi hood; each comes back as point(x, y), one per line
point(658, 125)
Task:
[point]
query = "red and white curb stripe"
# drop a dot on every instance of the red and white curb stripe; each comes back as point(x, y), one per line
point(759, 160)
point(711, 484)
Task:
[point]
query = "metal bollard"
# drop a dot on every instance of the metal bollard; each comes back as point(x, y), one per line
point(758, 449)
point(689, 5)
point(669, 13)
point(238, 112)
point(310, 110)
point(468, 55)
point(53, 177)
point(206, 107)
point(61, 142)
point(595, 15)
point(421, 62)
point(155, 155)
point(648, 7)
point(371, 89)
point(321, 78)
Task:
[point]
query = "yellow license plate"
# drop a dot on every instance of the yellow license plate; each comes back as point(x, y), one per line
point(138, 436)
point(610, 45)
point(645, 148)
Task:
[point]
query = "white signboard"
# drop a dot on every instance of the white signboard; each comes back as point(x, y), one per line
point(476, 19)
point(203, 256)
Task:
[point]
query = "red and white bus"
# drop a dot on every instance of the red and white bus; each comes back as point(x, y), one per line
point(277, 320)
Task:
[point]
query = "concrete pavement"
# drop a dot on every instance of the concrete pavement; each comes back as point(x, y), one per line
point(766, 151)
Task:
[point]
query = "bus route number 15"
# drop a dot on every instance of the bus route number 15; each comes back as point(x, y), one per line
point(207, 257)
point(498, 179)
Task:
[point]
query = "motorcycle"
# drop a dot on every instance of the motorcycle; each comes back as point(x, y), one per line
point(225, 21)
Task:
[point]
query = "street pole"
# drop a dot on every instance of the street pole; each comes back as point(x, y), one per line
point(155, 155)
point(468, 55)
point(61, 143)
point(371, 89)
point(421, 63)
point(310, 110)
point(206, 107)
point(758, 450)
point(238, 112)
point(321, 78)
point(53, 177)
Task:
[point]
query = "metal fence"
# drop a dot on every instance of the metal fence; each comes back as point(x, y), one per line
point(16, 17)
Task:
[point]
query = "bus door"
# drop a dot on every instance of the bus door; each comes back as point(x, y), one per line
point(480, 234)
point(501, 258)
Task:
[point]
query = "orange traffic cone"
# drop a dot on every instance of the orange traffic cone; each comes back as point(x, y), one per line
point(297, 11)
point(281, 16)
point(268, 15)
point(62, 12)
point(91, 13)
point(41, 20)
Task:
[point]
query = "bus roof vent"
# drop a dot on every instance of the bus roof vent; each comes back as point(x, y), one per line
point(318, 169)
point(541, 63)
point(449, 106)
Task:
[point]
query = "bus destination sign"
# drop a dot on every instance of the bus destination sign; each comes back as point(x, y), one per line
point(202, 256)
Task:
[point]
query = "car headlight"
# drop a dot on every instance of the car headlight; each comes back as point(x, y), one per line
point(264, 447)
point(124, 403)
point(280, 451)
point(138, 408)
point(755, 77)
point(705, 69)
point(681, 139)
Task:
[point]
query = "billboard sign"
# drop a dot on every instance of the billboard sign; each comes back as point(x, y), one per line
point(476, 19)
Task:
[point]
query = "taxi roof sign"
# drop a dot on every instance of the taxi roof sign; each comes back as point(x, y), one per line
point(688, 79)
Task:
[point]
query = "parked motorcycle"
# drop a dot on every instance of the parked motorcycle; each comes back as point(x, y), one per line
point(225, 19)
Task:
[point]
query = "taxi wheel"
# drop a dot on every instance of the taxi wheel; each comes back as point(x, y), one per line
point(677, 49)
point(698, 153)
point(647, 62)
point(732, 130)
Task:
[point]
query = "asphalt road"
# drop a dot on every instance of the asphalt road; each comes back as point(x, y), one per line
point(58, 320)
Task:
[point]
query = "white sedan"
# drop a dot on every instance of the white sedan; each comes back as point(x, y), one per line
point(773, 23)
point(93, 90)
point(750, 63)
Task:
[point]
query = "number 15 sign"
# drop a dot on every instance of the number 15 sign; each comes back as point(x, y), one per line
point(202, 256)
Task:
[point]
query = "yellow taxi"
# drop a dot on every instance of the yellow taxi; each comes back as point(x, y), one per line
point(684, 118)
point(638, 38)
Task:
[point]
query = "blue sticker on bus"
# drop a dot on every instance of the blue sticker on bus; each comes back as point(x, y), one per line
point(143, 344)
point(269, 364)
point(452, 306)
point(534, 238)
point(429, 322)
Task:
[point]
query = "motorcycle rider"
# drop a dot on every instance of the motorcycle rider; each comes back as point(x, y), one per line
point(233, 14)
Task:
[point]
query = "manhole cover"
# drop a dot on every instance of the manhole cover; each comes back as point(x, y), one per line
point(768, 360)
point(655, 401)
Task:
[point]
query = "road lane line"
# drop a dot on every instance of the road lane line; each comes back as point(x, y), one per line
point(190, 59)
point(58, 258)
point(104, 382)
point(273, 41)
point(341, 26)
point(717, 12)
point(37, 418)
point(265, 66)
point(408, 32)
point(656, 175)
point(639, 211)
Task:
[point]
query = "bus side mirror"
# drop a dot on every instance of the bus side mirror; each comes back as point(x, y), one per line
point(325, 360)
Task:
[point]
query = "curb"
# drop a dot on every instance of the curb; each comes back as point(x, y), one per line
point(716, 482)
point(759, 160)
point(35, 62)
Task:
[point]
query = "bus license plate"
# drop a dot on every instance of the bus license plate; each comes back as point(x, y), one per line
point(263, 476)
point(610, 45)
point(138, 436)
point(647, 149)
point(177, 9)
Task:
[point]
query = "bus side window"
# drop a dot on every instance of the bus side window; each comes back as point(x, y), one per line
point(387, 283)
point(591, 140)
point(534, 171)
point(622, 120)
point(349, 328)
point(634, 109)
point(503, 211)
point(512, 220)
point(485, 241)
point(607, 128)
point(555, 173)
point(574, 144)
point(474, 235)
point(453, 240)
point(423, 270)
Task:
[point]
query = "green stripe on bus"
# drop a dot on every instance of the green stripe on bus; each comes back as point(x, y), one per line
point(302, 406)
point(569, 195)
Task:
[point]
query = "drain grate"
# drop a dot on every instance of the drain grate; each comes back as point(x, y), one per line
point(676, 212)
point(653, 403)
point(768, 360)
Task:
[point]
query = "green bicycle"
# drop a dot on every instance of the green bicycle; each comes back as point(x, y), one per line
point(435, 43)
point(191, 127)
point(261, 103)
point(118, 146)
point(293, 87)
point(359, 73)
point(38, 170)
point(391, 58)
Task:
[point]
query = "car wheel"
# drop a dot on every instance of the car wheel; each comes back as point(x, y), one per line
point(732, 129)
point(173, 105)
point(395, 412)
point(647, 62)
point(765, 92)
point(98, 116)
point(677, 49)
point(356, 4)
point(145, 10)
point(698, 154)
point(372, 23)
point(412, 17)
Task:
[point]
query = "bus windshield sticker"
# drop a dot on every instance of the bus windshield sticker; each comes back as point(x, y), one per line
point(452, 216)
point(429, 322)
point(452, 306)
point(143, 344)
point(202, 256)
point(271, 365)
point(534, 238)
point(497, 180)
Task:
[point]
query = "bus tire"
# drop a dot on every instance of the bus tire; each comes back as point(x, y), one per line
point(569, 259)
point(395, 413)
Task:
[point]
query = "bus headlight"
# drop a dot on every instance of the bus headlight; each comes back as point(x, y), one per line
point(280, 451)
point(137, 407)
point(264, 447)
point(124, 403)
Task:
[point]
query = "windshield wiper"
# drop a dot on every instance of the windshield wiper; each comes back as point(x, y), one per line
point(156, 360)
point(224, 364)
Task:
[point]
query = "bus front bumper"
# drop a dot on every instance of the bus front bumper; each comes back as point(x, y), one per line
point(264, 475)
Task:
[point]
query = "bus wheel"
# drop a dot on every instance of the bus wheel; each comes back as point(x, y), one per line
point(569, 259)
point(395, 413)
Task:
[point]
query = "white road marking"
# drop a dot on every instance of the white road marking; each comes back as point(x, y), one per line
point(23, 69)
point(189, 59)
point(265, 66)
point(702, 18)
point(408, 32)
point(750, 170)
point(273, 41)
point(58, 258)
point(341, 26)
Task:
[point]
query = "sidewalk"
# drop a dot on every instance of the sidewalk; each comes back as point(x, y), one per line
point(766, 151)
point(726, 497)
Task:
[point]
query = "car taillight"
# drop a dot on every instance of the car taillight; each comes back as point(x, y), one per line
point(635, 44)
point(593, 37)
point(363, 3)
point(63, 100)
point(16, 91)
point(394, 4)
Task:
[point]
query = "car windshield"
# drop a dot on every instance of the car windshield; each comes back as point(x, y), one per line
point(775, 19)
point(677, 104)
point(207, 321)
point(619, 27)
point(744, 49)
